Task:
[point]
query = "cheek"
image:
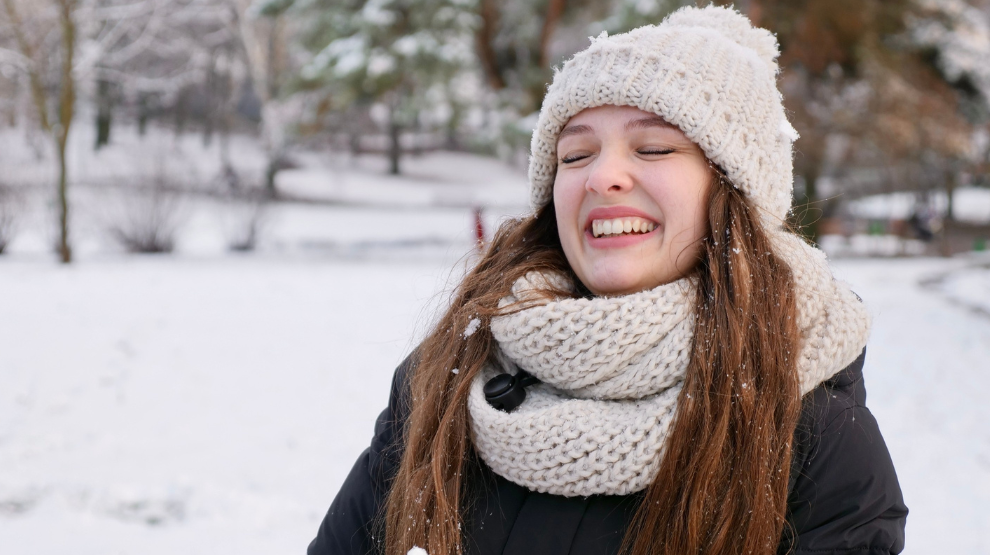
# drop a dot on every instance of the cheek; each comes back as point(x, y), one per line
point(701, 207)
point(687, 208)
point(696, 216)
point(567, 204)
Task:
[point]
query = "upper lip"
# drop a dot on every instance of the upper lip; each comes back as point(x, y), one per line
point(610, 212)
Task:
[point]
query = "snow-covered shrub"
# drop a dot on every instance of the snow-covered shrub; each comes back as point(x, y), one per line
point(147, 216)
point(243, 210)
point(244, 219)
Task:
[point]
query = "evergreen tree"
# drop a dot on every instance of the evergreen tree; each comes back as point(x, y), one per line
point(400, 53)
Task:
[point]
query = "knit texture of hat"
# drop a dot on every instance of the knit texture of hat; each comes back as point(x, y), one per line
point(709, 72)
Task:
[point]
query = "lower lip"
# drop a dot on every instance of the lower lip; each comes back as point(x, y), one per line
point(619, 241)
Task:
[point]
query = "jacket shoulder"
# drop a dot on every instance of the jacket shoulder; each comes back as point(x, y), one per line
point(844, 495)
point(387, 443)
point(349, 527)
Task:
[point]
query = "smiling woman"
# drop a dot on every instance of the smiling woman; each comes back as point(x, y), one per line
point(661, 367)
point(623, 167)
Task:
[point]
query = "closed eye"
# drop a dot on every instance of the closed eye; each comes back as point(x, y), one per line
point(655, 151)
point(573, 158)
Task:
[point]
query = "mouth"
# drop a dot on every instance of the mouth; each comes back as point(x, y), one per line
point(617, 227)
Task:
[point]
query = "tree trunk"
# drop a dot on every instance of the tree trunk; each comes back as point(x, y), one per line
point(555, 9)
point(66, 112)
point(225, 94)
point(451, 141)
point(273, 145)
point(64, 248)
point(537, 85)
point(270, 170)
point(488, 14)
point(805, 215)
point(143, 114)
point(57, 127)
point(180, 111)
point(752, 8)
point(394, 146)
point(103, 123)
point(104, 113)
point(223, 135)
point(211, 102)
point(950, 189)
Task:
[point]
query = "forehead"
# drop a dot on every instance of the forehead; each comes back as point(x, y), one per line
point(628, 117)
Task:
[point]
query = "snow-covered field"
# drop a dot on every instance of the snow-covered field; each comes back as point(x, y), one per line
point(192, 406)
point(207, 402)
point(214, 405)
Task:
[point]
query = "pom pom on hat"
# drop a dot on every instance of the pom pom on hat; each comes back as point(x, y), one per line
point(732, 25)
point(706, 70)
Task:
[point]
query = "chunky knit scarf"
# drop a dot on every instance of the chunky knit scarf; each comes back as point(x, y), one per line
point(612, 369)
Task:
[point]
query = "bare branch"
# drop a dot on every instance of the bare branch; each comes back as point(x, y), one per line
point(34, 78)
point(15, 58)
point(153, 25)
point(121, 13)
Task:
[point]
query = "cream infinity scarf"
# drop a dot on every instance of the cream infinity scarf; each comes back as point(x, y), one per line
point(612, 369)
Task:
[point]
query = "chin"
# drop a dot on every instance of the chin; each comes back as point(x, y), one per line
point(615, 285)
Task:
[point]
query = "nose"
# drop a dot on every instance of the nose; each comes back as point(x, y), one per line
point(610, 174)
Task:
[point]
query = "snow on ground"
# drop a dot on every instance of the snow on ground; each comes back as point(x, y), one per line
point(926, 373)
point(969, 287)
point(157, 405)
point(435, 179)
point(191, 406)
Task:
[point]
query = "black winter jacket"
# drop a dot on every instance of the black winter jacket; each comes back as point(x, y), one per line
point(843, 494)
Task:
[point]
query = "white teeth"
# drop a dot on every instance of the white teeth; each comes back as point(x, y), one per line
point(619, 226)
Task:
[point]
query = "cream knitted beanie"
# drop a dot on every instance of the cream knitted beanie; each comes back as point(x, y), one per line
point(709, 72)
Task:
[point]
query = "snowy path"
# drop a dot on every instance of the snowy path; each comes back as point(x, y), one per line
point(927, 374)
point(214, 405)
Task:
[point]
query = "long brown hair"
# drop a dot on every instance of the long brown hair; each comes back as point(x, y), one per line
point(722, 483)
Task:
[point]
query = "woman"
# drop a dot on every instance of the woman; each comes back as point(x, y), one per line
point(651, 364)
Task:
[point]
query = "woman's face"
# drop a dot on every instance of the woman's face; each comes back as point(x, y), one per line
point(631, 198)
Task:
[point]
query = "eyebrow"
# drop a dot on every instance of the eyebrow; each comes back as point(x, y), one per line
point(642, 123)
point(652, 121)
point(573, 130)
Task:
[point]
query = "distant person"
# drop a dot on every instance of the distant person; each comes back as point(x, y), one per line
point(651, 364)
point(921, 222)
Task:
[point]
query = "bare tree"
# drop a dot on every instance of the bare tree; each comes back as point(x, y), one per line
point(262, 33)
point(44, 43)
point(53, 90)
